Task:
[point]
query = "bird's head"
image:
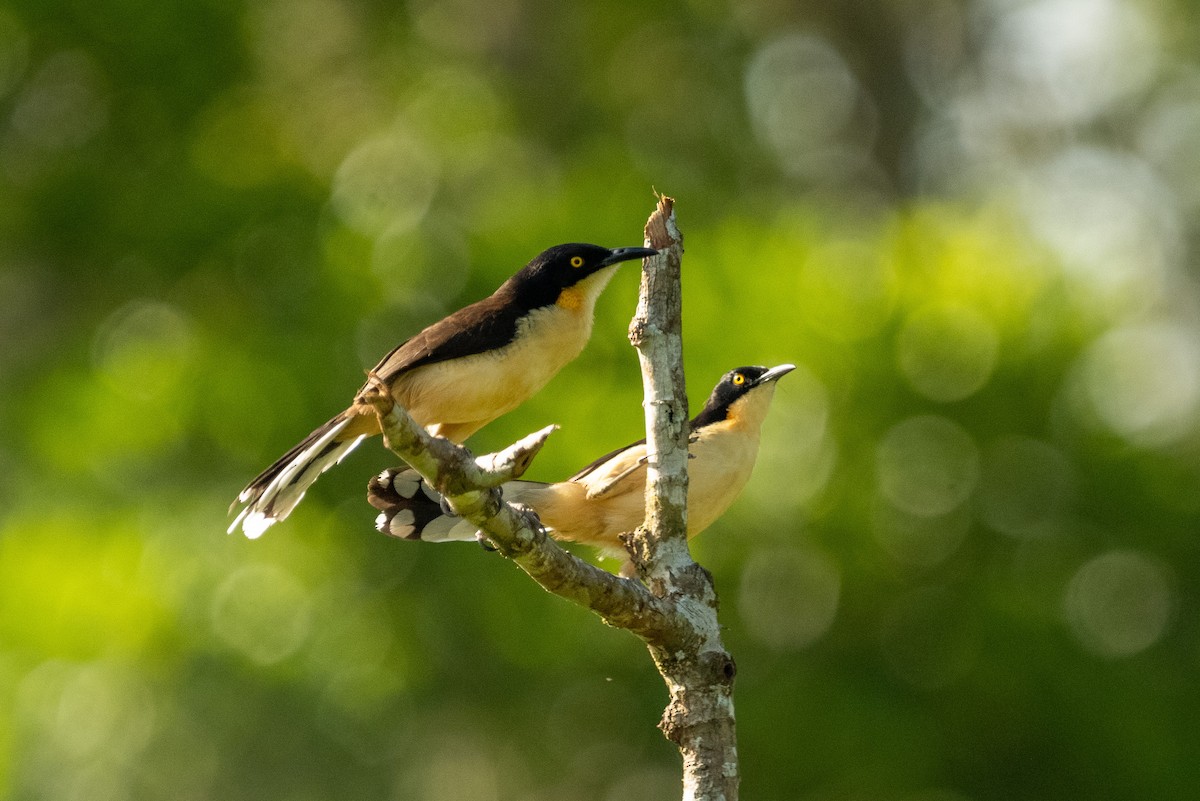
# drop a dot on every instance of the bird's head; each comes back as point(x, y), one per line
point(570, 266)
point(742, 395)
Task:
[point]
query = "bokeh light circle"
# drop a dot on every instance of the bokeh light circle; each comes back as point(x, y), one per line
point(927, 465)
point(1119, 603)
point(947, 352)
point(789, 597)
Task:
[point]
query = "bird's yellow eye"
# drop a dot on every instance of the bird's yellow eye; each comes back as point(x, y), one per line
point(577, 261)
point(738, 379)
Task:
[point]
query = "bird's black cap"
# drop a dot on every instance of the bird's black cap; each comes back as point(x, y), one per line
point(563, 266)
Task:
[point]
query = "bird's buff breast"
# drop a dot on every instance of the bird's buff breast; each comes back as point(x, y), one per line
point(480, 388)
point(724, 457)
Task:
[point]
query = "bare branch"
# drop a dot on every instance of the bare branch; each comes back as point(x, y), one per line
point(657, 332)
point(513, 461)
point(469, 485)
point(699, 718)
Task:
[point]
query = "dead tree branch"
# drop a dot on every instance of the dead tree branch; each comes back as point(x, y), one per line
point(699, 718)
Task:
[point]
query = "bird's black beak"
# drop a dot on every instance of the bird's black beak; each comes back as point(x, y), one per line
point(774, 374)
point(628, 254)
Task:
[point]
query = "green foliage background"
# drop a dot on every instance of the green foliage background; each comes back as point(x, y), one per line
point(966, 567)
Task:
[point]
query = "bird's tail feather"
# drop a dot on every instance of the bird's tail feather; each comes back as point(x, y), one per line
point(275, 493)
point(410, 509)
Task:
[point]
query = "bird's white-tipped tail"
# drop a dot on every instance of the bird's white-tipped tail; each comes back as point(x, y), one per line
point(273, 496)
point(410, 509)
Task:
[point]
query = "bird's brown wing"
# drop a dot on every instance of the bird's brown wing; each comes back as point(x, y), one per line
point(622, 470)
point(595, 466)
point(484, 325)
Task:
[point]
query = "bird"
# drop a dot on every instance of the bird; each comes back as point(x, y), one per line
point(607, 498)
point(458, 374)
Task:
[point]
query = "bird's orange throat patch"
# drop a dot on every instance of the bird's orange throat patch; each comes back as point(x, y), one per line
point(570, 299)
point(748, 411)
